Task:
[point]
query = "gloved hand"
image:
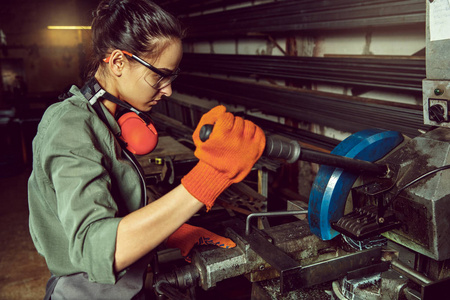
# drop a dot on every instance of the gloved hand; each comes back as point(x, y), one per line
point(187, 236)
point(226, 157)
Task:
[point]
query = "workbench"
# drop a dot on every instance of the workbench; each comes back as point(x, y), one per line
point(160, 164)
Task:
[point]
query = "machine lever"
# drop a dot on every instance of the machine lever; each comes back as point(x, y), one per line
point(275, 148)
point(291, 152)
point(271, 214)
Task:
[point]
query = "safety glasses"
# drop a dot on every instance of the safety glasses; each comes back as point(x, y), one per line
point(161, 80)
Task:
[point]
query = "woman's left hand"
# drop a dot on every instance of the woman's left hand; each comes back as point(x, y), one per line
point(187, 236)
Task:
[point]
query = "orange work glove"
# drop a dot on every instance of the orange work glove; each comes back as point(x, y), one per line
point(187, 236)
point(226, 157)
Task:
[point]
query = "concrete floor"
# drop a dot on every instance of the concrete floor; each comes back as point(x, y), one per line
point(23, 273)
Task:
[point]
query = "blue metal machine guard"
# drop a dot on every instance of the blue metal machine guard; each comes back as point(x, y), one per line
point(332, 185)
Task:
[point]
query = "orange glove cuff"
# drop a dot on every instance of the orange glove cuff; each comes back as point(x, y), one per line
point(205, 183)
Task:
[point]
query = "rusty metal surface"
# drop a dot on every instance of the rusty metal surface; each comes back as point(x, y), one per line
point(280, 251)
point(334, 268)
point(424, 207)
point(293, 239)
point(288, 267)
point(270, 290)
point(388, 285)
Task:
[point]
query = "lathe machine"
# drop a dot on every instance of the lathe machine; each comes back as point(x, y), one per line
point(377, 223)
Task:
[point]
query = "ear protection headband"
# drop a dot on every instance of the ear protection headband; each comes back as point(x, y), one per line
point(138, 132)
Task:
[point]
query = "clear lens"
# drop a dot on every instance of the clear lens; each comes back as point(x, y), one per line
point(153, 79)
point(160, 82)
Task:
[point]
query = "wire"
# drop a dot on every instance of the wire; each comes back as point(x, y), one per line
point(418, 179)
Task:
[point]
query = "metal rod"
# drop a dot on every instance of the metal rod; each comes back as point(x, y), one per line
point(346, 163)
point(271, 214)
point(412, 274)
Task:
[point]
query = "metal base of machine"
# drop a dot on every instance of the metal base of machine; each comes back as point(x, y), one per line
point(270, 290)
point(378, 286)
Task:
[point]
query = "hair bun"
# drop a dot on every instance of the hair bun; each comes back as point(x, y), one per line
point(113, 3)
point(105, 8)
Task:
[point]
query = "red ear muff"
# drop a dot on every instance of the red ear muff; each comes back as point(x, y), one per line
point(141, 138)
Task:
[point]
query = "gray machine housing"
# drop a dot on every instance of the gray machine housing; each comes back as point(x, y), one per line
point(424, 207)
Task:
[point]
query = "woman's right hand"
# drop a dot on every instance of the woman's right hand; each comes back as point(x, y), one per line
point(226, 157)
point(234, 145)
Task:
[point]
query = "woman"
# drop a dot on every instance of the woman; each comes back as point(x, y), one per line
point(88, 211)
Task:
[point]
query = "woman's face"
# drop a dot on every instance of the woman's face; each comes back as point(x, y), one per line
point(136, 86)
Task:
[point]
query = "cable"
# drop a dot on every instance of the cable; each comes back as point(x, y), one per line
point(419, 178)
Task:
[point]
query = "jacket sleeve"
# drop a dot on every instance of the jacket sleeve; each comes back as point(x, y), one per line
point(75, 161)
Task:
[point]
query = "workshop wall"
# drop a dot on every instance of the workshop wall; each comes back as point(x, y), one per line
point(51, 62)
point(48, 60)
point(36, 65)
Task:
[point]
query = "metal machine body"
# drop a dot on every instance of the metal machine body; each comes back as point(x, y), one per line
point(415, 217)
point(418, 214)
point(409, 204)
point(289, 253)
point(423, 209)
point(393, 244)
point(404, 196)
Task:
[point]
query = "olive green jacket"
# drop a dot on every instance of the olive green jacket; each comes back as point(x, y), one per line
point(80, 187)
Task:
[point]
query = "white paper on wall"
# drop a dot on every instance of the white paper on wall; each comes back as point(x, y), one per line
point(439, 20)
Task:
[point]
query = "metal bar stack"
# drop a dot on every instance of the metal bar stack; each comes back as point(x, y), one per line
point(340, 112)
point(404, 74)
point(299, 15)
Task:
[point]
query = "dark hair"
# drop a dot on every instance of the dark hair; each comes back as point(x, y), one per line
point(137, 26)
